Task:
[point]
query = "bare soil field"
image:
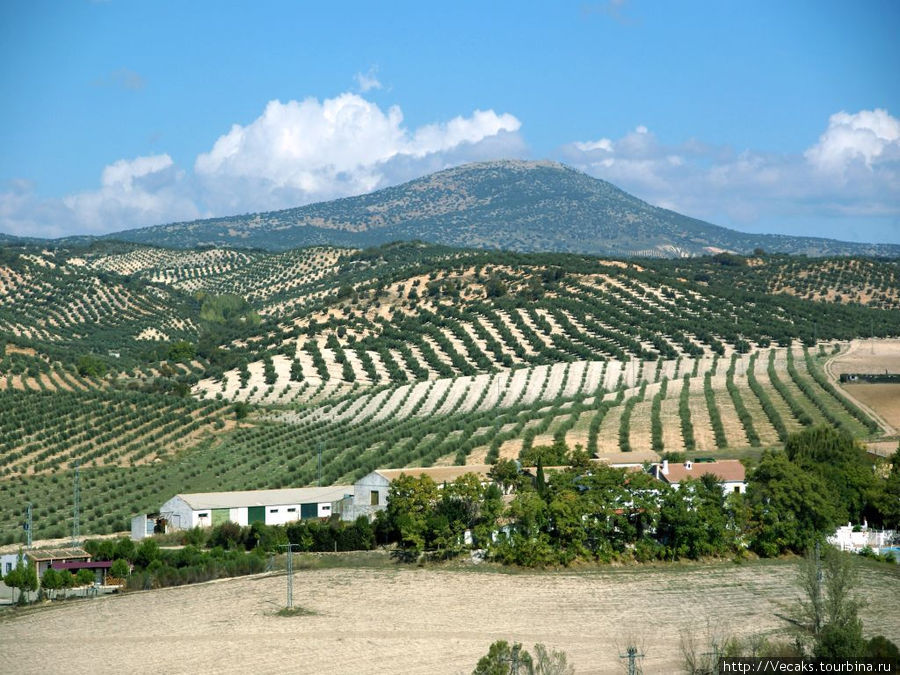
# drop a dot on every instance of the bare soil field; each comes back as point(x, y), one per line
point(871, 356)
point(868, 356)
point(883, 398)
point(413, 620)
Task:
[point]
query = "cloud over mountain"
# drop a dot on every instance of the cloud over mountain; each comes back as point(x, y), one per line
point(852, 170)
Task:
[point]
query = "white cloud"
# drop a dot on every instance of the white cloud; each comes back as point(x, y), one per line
point(851, 174)
point(303, 151)
point(294, 153)
point(141, 191)
point(367, 81)
point(869, 135)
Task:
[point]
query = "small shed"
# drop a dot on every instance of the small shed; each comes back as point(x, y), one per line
point(43, 559)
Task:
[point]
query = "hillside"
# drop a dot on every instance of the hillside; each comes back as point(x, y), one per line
point(506, 205)
point(163, 370)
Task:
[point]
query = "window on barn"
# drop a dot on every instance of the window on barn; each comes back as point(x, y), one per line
point(373, 498)
point(273, 510)
point(203, 515)
point(326, 507)
point(292, 509)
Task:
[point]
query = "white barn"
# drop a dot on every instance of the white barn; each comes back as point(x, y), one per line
point(272, 507)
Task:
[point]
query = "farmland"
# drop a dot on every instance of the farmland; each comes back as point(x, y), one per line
point(589, 614)
point(137, 362)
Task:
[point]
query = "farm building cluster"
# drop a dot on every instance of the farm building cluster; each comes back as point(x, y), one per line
point(369, 494)
point(60, 559)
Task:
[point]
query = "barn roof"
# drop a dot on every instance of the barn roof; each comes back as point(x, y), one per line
point(225, 500)
point(439, 474)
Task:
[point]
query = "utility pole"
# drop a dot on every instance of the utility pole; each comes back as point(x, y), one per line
point(632, 655)
point(290, 573)
point(76, 524)
point(28, 526)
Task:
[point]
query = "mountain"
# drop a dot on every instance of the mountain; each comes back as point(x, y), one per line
point(512, 205)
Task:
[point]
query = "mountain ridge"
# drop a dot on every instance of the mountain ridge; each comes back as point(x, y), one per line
point(518, 205)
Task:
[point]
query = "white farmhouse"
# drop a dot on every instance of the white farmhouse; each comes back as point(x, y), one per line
point(272, 507)
point(730, 473)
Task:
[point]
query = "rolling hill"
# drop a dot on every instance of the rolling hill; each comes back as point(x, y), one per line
point(505, 205)
point(163, 370)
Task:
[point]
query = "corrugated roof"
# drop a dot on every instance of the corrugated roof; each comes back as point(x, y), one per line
point(439, 474)
point(225, 500)
point(724, 470)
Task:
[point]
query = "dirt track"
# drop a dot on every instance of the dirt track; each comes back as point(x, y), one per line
point(413, 620)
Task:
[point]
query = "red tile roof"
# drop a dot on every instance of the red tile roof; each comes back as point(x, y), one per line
point(725, 470)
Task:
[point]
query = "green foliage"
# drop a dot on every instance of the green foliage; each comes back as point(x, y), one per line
point(792, 508)
point(91, 366)
point(841, 463)
point(84, 577)
point(504, 659)
point(120, 568)
point(227, 310)
point(182, 350)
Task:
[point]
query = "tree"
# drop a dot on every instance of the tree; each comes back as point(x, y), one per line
point(84, 577)
point(505, 473)
point(52, 581)
point(23, 577)
point(120, 568)
point(828, 612)
point(791, 508)
point(146, 553)
point(840, 461)
point(410, 501)
point(505, 659)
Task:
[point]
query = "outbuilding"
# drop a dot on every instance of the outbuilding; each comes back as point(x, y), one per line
point(271, 507)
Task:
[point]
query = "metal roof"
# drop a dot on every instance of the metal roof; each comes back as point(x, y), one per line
point(225, 500)
point(95, 565)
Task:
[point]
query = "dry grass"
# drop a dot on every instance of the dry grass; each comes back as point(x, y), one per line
point(411, 620)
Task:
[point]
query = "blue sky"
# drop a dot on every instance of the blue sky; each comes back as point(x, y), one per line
point(764, 116)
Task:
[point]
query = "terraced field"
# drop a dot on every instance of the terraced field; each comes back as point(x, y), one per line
point(168, 371)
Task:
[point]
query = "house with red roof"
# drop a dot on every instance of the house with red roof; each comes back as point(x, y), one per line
point(730, 473)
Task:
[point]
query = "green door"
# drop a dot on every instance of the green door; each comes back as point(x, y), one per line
point(256, 514)
point(309, 511)
point(220, 516)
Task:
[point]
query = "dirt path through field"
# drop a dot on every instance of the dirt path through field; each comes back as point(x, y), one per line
point(414, 620)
